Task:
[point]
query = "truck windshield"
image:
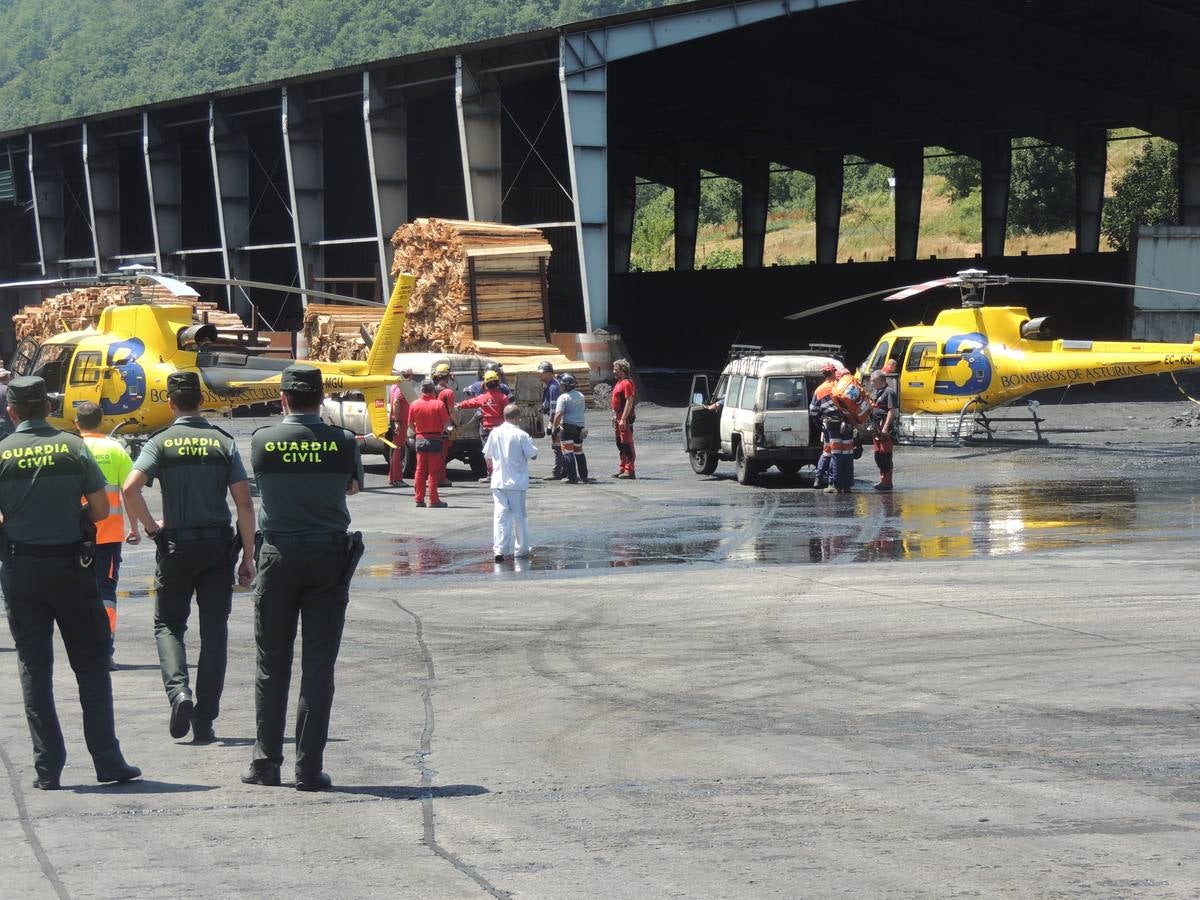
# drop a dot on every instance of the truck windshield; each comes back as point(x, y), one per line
point(785, 392)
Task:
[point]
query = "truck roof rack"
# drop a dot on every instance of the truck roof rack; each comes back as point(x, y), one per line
point(740, 351)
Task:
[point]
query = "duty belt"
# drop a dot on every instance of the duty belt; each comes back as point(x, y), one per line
point(42, 550)
point(326, 537)
point(209, 533)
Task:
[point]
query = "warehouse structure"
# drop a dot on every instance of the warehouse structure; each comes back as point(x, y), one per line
point(303, 181)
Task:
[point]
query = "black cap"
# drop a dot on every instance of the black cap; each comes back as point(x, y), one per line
point(26, 389)
point(183, 384)
point(301, 379)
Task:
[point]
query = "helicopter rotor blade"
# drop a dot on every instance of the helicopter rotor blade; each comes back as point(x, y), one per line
point(1114, 284)
point(804, 314)
point(176, 287)
point(913, 290)
point(47, 282)
point(284, 288)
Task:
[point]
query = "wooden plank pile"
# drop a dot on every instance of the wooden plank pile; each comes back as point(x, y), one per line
point(334, 331)
point(475, 280)
point(81, 308)
point(519, 359)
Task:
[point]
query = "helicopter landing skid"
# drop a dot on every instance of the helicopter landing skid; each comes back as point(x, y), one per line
point(984, 430)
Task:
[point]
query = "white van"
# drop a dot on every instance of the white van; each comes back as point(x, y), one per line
point(757, 415)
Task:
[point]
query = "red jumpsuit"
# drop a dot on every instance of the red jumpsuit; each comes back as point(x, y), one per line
point(623, 432)
point(428, 418)
point(446, 396)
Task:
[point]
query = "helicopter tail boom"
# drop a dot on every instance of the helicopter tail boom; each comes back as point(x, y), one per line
point(391, 330)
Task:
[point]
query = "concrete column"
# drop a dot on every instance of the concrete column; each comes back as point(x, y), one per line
point(756, 189)
point(910, 179)
point(47, 192)
point(687, 216)
point(583, 80)
point(477, 102)
point(996, 166)
point(830, 178)
point(386, 126)
point(1189, 171)
point(303, 150)
point(624, 203)
point(230, 154)
point(1091, 165)
point(103, 194)
point(164, 183)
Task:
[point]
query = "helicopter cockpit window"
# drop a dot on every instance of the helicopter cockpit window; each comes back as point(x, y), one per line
point(921, 356)
point(879, 358)
point(86, 368)
point(51, 365)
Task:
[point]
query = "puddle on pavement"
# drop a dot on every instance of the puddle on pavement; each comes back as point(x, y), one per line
point(805, 526)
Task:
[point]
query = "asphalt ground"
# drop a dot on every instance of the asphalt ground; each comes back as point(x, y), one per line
point(982, 684)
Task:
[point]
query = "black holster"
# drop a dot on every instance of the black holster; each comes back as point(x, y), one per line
point(258, 542)
point(5, 545)
point(354, 552)
point(85, 550)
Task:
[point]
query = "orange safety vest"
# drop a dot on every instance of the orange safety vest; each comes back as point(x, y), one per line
point(115, 464)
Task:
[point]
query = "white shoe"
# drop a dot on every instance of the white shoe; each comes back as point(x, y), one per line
point(523, 554)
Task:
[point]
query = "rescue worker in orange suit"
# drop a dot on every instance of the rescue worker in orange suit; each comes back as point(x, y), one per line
point(820, 396)
point(624, 397)
point(884, 410)
point(445, 393)
point(839, 435)
point(429, 423)
point(116, 465)
point(490, 402)
point(398, 413)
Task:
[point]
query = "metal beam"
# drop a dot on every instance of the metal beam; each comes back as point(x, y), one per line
point(1091, 165)
point(756, 188)
point(1189, 170)
point(583, 81)
point(229, 151)
point(477, 104)
point(996, 166)
point(910, 180)
point(687, 215)
point(47, 194)
point(164, 181)
point(830, 181)
point(386, 125)
point(624, 203)
point(103, 195)
point(303, 151)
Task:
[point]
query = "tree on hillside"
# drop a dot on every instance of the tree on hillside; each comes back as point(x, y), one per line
point(1042, 190)
point(1145, 195)
point(721, 202)
point(653, 227)
point(963, 174)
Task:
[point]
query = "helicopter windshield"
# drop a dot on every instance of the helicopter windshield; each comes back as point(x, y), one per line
point(51, 363)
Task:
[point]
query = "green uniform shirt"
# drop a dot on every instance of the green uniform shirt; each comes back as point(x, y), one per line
point(195, 462)
point(303, 468)
point(44, 474)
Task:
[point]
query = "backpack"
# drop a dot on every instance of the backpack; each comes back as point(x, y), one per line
point(850, 397)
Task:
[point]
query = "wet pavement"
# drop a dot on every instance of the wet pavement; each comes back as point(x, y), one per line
point(982, 683)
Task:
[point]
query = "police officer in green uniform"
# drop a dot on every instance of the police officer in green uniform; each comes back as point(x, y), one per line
point(49, 576)
point(196, 464)
point(305, 470)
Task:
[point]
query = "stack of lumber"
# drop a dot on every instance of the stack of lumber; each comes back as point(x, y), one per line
point(81, 308)
point(334, 332)
point(502, 266)
point(519, 359)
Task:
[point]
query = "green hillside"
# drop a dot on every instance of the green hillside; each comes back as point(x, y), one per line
point(65, 58)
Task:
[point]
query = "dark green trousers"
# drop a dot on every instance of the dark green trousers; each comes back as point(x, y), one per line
point(297, 583)
point(41, 593)
point(203, 568)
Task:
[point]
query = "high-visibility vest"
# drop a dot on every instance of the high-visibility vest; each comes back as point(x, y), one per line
point(115, 464)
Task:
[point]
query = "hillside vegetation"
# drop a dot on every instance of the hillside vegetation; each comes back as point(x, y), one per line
point(65, 58)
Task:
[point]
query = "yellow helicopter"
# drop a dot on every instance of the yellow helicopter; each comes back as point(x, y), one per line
point(122, 364)
point(978, 357)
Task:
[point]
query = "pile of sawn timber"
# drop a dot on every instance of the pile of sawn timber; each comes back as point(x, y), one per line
point(80, 309)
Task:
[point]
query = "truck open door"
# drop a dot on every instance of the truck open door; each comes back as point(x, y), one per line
point(701, 428)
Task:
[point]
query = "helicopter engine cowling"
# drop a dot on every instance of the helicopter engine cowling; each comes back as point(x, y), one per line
point(1039, 329)
point(195, 336)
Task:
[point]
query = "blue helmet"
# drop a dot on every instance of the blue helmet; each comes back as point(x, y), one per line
point(567, 380)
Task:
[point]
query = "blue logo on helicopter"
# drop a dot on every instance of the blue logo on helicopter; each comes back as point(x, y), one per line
point(131, 373)
point(976, 359)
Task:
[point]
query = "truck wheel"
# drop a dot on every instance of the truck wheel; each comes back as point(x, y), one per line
point(704, 462)
point(747, 471)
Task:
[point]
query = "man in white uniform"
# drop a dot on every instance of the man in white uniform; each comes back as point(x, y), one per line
point(509, 450)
